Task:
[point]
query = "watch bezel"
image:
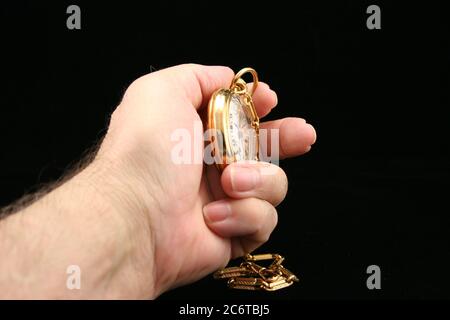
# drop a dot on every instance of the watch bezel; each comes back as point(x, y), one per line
point(218, 122)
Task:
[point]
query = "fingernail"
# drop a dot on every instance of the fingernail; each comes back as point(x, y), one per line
point(217, 211)
point(276, 98)
point(244, 178)
point(314, 132)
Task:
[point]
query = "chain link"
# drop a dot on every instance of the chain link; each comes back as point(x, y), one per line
point(252, 276)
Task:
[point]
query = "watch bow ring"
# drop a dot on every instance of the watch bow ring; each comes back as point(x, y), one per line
point(233, 123)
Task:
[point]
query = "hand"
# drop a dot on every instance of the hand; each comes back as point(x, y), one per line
point(136, 222)
point(197, 219)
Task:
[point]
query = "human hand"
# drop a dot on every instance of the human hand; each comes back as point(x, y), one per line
point(134, 221)
point(196, 220)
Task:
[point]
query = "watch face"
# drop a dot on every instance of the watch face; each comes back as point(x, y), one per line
point(242, 135)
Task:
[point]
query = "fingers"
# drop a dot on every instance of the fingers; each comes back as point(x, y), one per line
point(194, 82)
point(248, 216)
point(213, 178)
point(209, 79)
point(295, 136)
point(252, 219)
point(261, 180)
point(264, 98)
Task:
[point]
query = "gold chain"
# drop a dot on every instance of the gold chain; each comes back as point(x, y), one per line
point(251, 276)
point(239, 86)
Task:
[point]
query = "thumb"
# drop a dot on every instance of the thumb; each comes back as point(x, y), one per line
point(194, 82)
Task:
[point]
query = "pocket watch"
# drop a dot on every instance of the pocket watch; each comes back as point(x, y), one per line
point(233, 123)
point(233, 127)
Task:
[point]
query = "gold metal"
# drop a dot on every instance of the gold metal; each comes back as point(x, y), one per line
point(218, 119)
point(249, 282)
point(249, 275)
point(233, 272)
point(252, 276)
point(239, 82)
point(259, 257)
point(279, 286)
point(278, 260)
point(276, 283)
point(233, 284)
point(288, 274)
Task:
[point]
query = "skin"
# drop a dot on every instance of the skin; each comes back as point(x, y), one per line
point(136, 223)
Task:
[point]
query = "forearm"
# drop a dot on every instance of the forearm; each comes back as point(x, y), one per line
point(85, 223)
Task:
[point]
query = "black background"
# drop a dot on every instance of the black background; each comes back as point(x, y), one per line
point(373, 190)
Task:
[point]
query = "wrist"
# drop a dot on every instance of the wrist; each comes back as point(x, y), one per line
point(81, 223)
point(124, 213)
point(129, 167)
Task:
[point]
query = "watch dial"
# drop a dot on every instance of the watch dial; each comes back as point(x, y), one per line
point(242, 135)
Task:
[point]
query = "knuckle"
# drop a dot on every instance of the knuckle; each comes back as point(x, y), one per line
point(283, 184)
point(272, 218)
point(260, 215)
point(278, 187)
point(138, 84)
point(190, 65)
point(146, 86)
point(267, 222)
point(229, 71)
point(135, 88)
point(264, 237)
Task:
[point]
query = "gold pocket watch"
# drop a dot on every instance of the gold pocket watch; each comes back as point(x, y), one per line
point(233, 127)
point(233, 122)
